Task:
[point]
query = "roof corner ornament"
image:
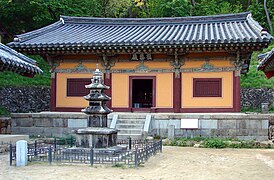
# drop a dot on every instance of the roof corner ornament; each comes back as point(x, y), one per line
point(107, 63)
point(16, 39)
point(177, 63)
point(264, 33)
point(62, 20)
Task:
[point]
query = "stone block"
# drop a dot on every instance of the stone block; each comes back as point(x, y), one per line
point(60, 122)
point(6, 139)
point(171, 131)
point(77, 123)
point(227, 124)
point(24, 122)
point(208, 124)
point(28, 130)
point(21, 153)
point(20, 115)
point(205, 132)
point(242, 124)
point(43, 122)
point(243, 132)
point(224, 132)
point(250, 138)
point(255, 124)
point(163, 124)
point(258, 132)
point(265, 124)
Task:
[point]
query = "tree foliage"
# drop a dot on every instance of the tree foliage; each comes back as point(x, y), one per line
point(19, 16)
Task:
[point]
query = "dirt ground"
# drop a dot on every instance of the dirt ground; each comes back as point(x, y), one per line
point(173, 163)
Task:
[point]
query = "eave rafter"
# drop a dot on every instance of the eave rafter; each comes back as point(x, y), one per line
point(154, 49)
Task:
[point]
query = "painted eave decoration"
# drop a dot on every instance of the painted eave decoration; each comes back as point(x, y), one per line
point(90, 35)
point(267, 63)
point(10, 60)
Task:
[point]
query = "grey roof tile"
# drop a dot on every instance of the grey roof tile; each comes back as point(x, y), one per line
point(17, 62)
point(89, 31)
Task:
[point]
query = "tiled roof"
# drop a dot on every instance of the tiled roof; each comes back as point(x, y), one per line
point(13, 61)
point(109, 32)
point(267, 63)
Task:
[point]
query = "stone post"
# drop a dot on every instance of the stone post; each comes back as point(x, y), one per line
point(21, 153)
point(171, 132)
point(264, 107)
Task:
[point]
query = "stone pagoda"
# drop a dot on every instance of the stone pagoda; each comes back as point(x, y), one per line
point(97, 135)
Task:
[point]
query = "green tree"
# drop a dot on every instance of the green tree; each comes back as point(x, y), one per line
point(258, 13)
point(211, 7)
point(169, 8)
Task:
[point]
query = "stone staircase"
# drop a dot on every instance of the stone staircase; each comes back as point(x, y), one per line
point(130, 125)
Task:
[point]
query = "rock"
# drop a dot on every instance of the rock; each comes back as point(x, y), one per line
point(266, 144)
point(197, 145)
point(149, 138)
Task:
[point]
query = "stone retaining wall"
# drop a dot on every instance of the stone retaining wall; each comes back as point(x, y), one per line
point(25, 99)
point(37, 99)
point(253, 98)
point(47, 123)
point(226, 125)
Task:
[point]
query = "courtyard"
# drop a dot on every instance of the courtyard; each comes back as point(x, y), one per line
point(173, 163)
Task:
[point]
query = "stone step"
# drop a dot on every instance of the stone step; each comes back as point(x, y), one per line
point(132, 116)
point(131, 121)
point(130, 126)
point(133, 136)
point(130, 131)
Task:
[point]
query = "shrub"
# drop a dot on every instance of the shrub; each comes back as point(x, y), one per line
point(214, 143)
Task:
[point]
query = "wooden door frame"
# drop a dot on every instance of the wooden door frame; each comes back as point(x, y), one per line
point(153, 78)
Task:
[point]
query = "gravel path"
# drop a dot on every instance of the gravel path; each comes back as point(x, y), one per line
point(174, 163)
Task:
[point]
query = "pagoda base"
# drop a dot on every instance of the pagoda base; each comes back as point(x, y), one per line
point(96, 137)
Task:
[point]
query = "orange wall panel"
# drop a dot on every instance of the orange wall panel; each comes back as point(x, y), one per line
point(61, 91)
point(164, 90)
point(120, 90)
point(226, 101)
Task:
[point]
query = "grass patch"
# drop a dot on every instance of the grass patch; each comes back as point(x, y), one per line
point(119, 165)
point(4, 111)
point(217, 143)
point(254, 78)
point(10, 79)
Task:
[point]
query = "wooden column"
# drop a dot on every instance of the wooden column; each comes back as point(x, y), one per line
point(177, 89)
point(107, 81)
point(236, 92)
point(53, 92)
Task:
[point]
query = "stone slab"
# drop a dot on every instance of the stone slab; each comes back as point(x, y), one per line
point(60, 122)
point(208, 124)
point(265, 124)
point(43, 122)
point(227, 124)
point(21, 153)
point(6, 139)
point(77, 123)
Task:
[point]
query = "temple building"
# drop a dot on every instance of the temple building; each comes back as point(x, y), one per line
point(10, 60)
point(267, 63)
point(183, 64)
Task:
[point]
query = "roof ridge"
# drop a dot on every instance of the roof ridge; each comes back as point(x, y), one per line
point(164, 20)
point(35, 33)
